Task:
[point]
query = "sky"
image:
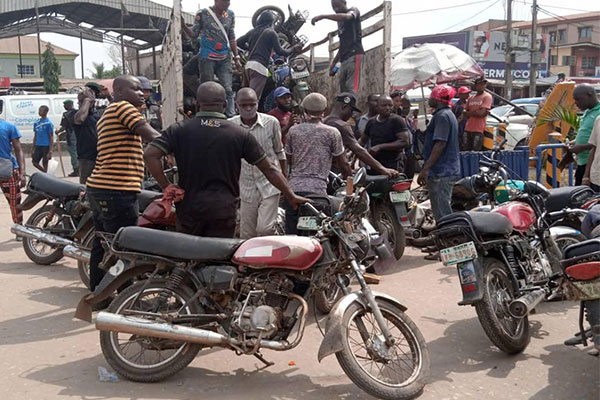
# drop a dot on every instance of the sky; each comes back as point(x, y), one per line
point(411, 19)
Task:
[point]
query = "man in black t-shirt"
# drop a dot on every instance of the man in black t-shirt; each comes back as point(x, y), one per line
point(84, 125)
point(209, 150)
point(387, 136)
point(351, 51)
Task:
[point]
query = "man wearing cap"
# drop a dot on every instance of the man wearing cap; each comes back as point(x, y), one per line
point(351, 51)
point(66, 125)
point(342, 109)
point(476, 110)
point(387, 136)
point(284, 112)
point(311, 147)
point(458, 108)
point(259, 198)
point(150, 109)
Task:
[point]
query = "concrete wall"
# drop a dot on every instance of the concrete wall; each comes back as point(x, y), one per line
point(9, 62)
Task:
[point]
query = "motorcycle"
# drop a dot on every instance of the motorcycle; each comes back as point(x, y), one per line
point(251, 295)
point(507, 258)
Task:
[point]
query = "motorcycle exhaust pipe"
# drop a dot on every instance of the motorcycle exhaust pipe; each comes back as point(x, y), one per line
point(521, 307)
point(38, 234)
point(72, 251)
point(413, 233)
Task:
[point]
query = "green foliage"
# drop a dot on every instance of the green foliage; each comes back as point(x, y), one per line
point(561, 114)
point(100, 71)
point(50, 71)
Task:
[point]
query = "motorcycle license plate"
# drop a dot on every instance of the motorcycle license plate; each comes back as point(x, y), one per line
point(400, 197)
point(307, 224)
point(300, 75)
point(459, 254)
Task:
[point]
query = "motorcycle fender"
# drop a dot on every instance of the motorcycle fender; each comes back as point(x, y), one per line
point(30, 201)
point(402, 214)
point(332, 341)
point(557, 231)
point(471, 281)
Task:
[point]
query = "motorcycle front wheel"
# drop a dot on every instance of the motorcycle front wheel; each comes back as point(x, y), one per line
point(37, 251)
point(149, 359)
point(509, 334)
point(399, 371)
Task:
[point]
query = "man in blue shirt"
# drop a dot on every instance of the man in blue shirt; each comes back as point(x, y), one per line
point(43, 139)
point(442, 167)
point(9, 142)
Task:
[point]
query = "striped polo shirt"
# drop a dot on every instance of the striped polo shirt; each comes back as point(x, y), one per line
point(120, 160)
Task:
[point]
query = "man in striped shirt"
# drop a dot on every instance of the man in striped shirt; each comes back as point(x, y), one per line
point(119, 170)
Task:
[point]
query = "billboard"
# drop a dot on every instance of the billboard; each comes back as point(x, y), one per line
point(457, 39)
point(491, 46)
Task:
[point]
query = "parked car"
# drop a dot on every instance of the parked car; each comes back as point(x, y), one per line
point(515, 115)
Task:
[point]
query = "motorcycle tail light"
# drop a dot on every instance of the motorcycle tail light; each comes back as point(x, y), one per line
point(584, 272)
point(400, 186)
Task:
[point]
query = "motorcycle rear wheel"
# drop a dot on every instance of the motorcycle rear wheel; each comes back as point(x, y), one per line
point(82, 267)
point(383, 380)
point(509, 334)
point(387, 223)
point(183, 354)
point(38, 252)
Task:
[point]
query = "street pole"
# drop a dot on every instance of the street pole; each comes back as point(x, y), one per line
point(20, 54)
point(508, 70)
point(81, 47)
point(122, 45)
point(534, 51)
point(37, 24)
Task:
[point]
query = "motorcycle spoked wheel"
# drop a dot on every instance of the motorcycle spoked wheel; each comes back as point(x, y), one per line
point(141, 359)
point(509, 334)
point(400, 371)
point(388, 223)
point(566, 240)
point(39, 252)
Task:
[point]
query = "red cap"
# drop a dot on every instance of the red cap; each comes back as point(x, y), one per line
point(443, 93)
point(464, 89)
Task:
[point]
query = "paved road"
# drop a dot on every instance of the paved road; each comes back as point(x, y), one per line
point(46, 354)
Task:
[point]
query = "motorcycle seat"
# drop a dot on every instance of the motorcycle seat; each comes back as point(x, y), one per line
point(484, 223)
point(581, 252)
point(145, 197)
point(176, 245)
point(568, 197)
point(54, 186)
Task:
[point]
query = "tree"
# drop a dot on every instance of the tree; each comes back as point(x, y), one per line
point(100, 71)
point(114, 53)
point(50, 71)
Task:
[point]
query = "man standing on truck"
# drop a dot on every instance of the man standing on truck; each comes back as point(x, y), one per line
point(215, 26)
point(209, 150)
point(43, 139)
point(66, 125)
point(476, 110)
point(351, 51)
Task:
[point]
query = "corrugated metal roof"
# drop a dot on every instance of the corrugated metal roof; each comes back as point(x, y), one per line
point(29, 45)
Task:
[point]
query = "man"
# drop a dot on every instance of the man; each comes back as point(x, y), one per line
point(9, 143)
point(343, 107)
point(209, 150)
point(283, 111)
point(387, 136)
point(442, 167)
point(66, 125)
point(351, 51)
point(592, 170)
point(216, 28)
point(259, 198)
point(150, 109)
point(586, 100)
point(458, 109)
point(311, 148)
point(476, 110)
point(117, 178)
point(84, 126)
point(372, 113)
point(43, 139)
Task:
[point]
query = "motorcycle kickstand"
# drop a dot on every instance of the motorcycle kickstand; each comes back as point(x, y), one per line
point(259, 355)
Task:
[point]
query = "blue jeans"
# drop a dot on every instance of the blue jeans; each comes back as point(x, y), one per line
point(223, 70)
point(113, 209)
point(440, 194)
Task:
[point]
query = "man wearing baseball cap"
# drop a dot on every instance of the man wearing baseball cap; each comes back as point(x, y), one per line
point(476, 110)
point(66, 125)
point(458, 108)
point(283, 112)
point(343, 107)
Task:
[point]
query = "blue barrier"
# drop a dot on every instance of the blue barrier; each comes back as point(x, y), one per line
point(516, 160)
point(538, 163)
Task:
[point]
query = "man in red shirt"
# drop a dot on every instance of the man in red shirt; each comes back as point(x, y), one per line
point(476, 110)
point(283, 111)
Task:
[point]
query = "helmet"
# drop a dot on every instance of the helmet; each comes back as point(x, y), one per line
point(146, 85)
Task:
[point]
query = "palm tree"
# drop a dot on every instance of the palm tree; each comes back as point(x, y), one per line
point(99, 72)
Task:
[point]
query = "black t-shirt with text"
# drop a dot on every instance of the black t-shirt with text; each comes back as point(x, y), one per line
point(385, 132)
point(350, 33)
point(209, 150)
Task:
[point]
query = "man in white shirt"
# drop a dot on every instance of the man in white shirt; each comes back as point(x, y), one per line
point(259, 199)
point(591, 176)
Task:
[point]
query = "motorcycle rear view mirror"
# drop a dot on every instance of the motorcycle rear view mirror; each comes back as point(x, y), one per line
point(360, 177)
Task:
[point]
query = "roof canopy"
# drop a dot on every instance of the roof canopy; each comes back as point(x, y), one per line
point(97, 20)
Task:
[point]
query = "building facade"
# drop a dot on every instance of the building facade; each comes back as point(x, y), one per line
point(26, 63)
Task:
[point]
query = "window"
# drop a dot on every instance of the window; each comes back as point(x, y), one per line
point(25, 69)
point(553, 60)
point(562, 35)
point(566, 60)
point(585, 32)
point(588, 62)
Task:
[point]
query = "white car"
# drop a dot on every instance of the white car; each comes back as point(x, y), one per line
point(516, 134)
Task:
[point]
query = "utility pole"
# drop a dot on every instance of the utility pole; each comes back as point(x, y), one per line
point(37, 24)
point(534, 51)
point(122, 44)
point(508, 74)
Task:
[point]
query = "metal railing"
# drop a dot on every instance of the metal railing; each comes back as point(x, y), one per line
point(553, 162)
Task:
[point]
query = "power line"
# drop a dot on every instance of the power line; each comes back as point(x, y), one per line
point(472, 16)
point(564, 19)
point(441, 8)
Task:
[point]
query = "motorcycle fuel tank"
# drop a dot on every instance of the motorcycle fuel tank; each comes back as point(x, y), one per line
point(519, 214)
point(286, 252)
